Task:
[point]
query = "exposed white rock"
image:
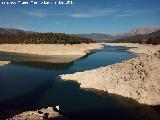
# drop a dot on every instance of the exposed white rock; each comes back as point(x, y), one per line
point(42, 114)
point(138, 78)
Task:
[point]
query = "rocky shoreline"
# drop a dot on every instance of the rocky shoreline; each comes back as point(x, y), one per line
point(49, 113)
point(137, 78)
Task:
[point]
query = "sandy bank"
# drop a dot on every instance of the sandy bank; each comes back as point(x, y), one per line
point(2, 63)
point(55, 53)
point(49, 49)
point(42, 114)
point(138, 48)
point(137, 78)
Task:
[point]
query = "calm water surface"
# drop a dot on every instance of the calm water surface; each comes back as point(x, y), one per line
point(35, 85)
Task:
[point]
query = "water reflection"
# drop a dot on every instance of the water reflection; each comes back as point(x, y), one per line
point(47, 65)
point(91, 105)
point(44, 65)
point(27, 100)
point(87, 55)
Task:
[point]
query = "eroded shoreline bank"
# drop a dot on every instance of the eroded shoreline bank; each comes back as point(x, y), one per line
point(137, 78)
point(54, 53)
point(50, 49)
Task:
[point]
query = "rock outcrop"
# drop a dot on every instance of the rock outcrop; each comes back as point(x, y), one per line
point(42, 114)
point(138, 78)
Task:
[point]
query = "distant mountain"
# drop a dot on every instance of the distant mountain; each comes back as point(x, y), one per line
point(102, 37)
point(156, 33)
point(12, 31)
point(107, 37)
point(95, 36)
point(151, 38)
point(143, 31)
point(138, 31)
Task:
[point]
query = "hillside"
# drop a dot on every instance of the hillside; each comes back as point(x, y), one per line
point(16, 36)
point(144, 31)
point(152, 38)
point(138, 31)
point(137, 35)
point(100, 36)
point(108, 37)
point(95, 36)
point(13, 31)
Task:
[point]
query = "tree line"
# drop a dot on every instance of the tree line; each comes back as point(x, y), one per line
point(153, 38)
point(42, 38)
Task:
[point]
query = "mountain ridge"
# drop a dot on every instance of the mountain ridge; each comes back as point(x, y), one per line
point(13, 31)
point(132, 32)
point(151, 38)
point(94, 36)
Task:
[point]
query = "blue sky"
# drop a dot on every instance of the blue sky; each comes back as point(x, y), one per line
point(85, 16)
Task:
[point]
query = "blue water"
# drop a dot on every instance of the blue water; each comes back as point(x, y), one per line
point(35, 85)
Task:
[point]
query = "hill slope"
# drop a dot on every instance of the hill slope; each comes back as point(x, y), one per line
point(152, 38)
point(13, 31)
point(42, 38)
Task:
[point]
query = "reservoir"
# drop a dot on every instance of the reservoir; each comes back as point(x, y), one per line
point(32, 85)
